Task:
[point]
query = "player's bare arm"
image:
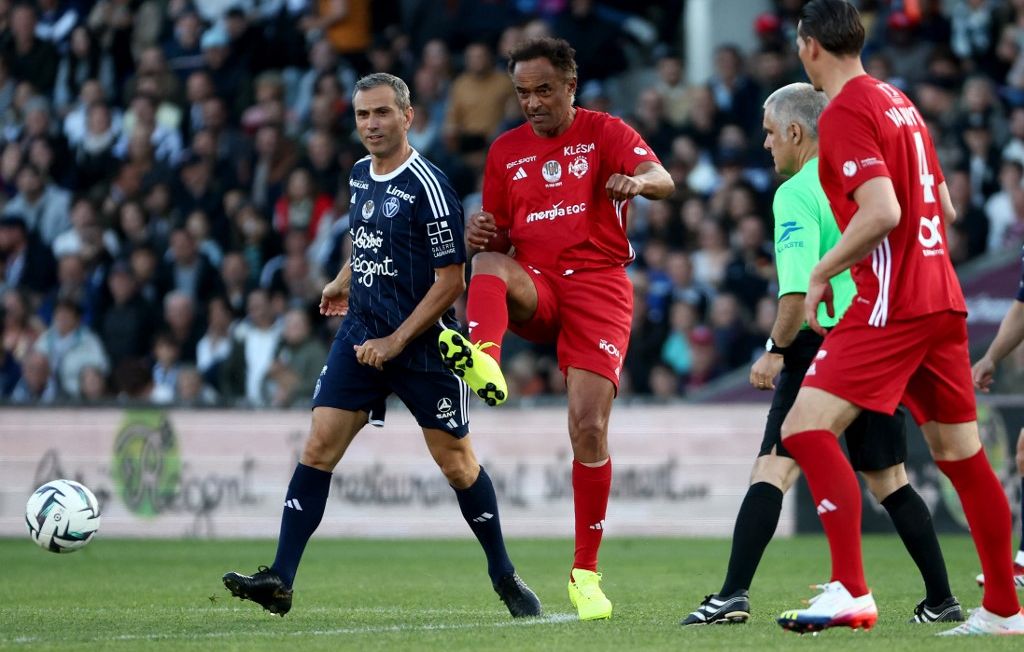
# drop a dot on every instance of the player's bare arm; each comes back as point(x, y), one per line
point(788, 321)
point(334, 298)
point(878, 212)
point(482, 234)
point(948, 211)
point(448, 286)
point(649, 180)
point(1010, 335)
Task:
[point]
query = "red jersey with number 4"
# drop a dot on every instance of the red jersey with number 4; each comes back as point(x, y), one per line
point(550, 192)
point(870, 129)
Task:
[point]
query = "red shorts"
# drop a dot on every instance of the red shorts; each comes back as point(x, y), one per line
point(922, 362)
point(587, 314)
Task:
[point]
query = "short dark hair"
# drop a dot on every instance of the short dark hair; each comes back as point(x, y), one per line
point(556, 50)
point(835, 24)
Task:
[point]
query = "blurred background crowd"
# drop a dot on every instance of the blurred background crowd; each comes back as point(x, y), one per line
point(173, 174)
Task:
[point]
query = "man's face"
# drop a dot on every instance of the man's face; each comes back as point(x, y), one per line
point(544, 95)
point(778, 140)
point(381, 125)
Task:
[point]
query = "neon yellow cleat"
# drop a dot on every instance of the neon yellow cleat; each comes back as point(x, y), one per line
point(469, 362)
point(586, 595)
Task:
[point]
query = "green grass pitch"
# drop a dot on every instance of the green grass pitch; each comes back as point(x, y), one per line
point(434, 595)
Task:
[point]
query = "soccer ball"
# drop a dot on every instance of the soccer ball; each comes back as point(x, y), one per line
point(62, 516)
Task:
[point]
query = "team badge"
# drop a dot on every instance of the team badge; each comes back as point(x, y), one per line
point(390, 207)
point(552, 171)
point(579, 167)
point(368, 210)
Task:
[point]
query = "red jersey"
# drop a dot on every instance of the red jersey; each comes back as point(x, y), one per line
point(550, 192)
point(871, 129)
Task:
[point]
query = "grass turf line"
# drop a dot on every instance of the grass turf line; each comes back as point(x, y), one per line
point(435, 595)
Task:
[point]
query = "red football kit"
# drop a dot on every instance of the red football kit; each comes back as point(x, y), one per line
point(904, 337)
point(568, 235)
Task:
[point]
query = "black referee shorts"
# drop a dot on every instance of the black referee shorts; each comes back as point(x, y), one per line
point(875, 441)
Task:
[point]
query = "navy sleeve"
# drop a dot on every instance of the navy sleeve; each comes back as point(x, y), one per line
point(439, 209)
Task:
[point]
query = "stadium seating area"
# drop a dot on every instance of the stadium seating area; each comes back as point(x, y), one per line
point(174, 174)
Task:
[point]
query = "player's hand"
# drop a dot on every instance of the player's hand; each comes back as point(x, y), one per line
point(334, 300)
point(818, 291)
point(764, 371)
point(983, 373)
point(620, 187)
point(480, 229)
point(374, 353)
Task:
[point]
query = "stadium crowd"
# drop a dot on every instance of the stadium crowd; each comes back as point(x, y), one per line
point(174, 174)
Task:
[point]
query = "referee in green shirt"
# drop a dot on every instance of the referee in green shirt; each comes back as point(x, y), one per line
point(804, 230)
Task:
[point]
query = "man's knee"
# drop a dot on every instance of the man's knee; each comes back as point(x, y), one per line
point(493, 263)
point(321, 450)
point(883, 483)
point(778, 471)
point(460, 469)
point(588, 429)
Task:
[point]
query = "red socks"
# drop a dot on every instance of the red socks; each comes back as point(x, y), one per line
point(988, 516)
point(487, 312)
point(590, 488)
point(836, 492)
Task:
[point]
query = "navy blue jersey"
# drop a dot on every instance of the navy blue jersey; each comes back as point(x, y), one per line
point(405, 224)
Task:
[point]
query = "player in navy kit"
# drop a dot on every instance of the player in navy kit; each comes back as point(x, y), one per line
point(396, 293)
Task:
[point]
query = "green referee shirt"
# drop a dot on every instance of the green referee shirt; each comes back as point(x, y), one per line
point(804, 230)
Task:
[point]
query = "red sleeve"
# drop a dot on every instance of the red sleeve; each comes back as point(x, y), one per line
point(623, 149)
point(281, 214)
point(495, 194)
point(850, 145)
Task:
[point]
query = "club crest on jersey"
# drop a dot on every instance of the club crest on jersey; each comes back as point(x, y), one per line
point(368, 210)
point(390, 207)
point(579, 167)
point(552, 171)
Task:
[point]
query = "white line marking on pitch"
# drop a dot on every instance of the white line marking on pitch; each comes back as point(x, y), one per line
point(551, 619)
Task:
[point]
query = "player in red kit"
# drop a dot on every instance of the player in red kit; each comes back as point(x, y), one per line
point(549, 255)
point(904, 338)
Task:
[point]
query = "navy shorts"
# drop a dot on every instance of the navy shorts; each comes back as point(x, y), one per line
point(437, 399)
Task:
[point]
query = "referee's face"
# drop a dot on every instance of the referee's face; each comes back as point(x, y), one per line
point(382, 126)
point(779, 141)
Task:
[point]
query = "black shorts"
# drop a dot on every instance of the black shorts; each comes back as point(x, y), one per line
point(875, 441)
point(437, 398)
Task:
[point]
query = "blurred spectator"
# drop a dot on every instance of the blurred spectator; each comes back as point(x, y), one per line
point(93, 384)
point(85, 237)
point(256, 339)
point(600, 44)
point(187, 270)
point(650, 121)
point(748, 274)
point(731, 338)
point(971, 221)
point(704, 367)
point(183, 52)
point(676, 352)
point(127, 325)
point(477, 101)
point(183, 323)
point(70, 346)
point(44, 206)
point(295, 369)
point(711, 259)
point(673, 89)
point(191, 390)
point(735, 93)
point(31, 58)
point(83, 61)
point(321, 161)
point(167, 359)
point(197, 223)
point(94, 151)
point(231, 82)
point(302, 205)
point(906, 52)
point(27, 263)
point(973, 30)
point(238, 282)
point(36, 386)
point(274, 159)
point(215, 345)
point(982, 156)
point(1005, 209)
point(346, 26)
